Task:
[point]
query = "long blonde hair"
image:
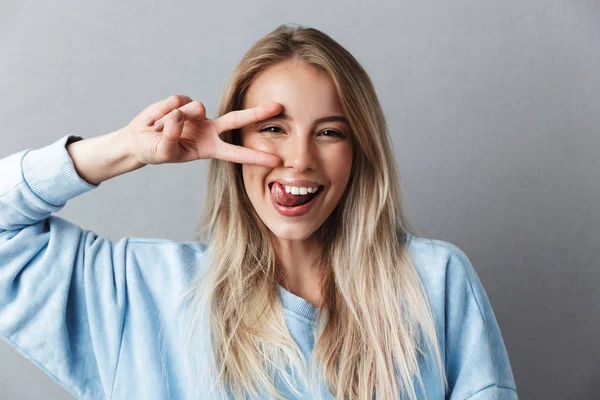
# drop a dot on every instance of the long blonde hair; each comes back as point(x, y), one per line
point(375, 326)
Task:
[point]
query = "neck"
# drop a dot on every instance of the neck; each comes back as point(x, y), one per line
point(300, 271)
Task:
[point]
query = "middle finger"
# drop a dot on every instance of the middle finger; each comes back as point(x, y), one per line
point(239, 118)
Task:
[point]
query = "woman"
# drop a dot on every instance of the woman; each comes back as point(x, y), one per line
point(304, 281)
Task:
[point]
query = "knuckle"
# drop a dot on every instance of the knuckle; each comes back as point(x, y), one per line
point(174, 100)
point(163, 155)
point(199, 107)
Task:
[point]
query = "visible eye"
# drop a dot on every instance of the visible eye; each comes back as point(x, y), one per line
point(269, 127)
point(334, 132)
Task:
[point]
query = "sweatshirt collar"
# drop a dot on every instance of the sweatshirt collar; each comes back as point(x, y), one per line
point(297, 304)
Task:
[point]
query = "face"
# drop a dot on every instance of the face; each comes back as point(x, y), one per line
point(312, 148)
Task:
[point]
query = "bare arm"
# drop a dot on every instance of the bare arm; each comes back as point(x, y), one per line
point(103, 157)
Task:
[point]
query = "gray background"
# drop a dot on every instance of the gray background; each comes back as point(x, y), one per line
point(493, 106)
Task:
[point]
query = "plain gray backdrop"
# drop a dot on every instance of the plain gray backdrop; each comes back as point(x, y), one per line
point(493, 107)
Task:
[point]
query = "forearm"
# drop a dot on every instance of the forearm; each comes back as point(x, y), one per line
point(103, 157)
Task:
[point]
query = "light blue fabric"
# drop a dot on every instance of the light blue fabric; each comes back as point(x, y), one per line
point(96, 315)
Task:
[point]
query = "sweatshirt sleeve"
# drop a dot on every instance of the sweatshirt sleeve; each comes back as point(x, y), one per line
point(477, 363)
point(62, 288)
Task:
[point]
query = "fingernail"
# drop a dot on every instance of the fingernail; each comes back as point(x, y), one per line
point(150, 120)
point(158, 126)
point(176, 116)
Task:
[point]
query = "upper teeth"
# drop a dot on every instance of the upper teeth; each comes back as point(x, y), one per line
point(300, 190)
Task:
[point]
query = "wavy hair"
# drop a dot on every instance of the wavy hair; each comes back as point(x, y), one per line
point(375, 327)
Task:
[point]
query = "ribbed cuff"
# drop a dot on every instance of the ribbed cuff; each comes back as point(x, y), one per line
point(50, 173)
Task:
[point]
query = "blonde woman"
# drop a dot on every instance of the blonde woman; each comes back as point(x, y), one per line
point(304, 281)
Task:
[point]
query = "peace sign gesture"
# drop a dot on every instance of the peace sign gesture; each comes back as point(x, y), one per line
point(176, 130)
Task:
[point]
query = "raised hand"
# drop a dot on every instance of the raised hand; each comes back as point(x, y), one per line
point(176, 130)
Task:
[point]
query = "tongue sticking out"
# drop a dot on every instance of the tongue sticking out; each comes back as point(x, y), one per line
point(288, 199)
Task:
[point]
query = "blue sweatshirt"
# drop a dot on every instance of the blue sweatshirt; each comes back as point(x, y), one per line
point(96, 315)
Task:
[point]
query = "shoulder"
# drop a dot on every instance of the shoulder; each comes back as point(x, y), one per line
point(475, 355)
point(447, 274)
point(435, 259)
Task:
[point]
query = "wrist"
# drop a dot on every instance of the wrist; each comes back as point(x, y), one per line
point(103, 157)
point(124, 139)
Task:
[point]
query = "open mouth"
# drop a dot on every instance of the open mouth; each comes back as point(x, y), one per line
point(289, 200)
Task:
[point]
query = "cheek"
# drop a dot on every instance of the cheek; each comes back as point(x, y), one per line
point(255, 141)
point(340, 163)
point(264, 145)
point(249, 174)
point(245, 175)
point(254, 178)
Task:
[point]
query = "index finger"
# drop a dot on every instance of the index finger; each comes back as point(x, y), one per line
point(239, 118)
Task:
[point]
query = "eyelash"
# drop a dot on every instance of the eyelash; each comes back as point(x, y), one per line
point(338, 133)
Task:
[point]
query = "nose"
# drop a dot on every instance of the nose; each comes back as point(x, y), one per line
point(299, 152)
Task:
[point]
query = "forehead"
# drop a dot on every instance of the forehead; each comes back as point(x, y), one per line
point(301, 89)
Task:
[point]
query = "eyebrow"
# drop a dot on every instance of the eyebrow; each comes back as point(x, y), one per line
point(331, 118)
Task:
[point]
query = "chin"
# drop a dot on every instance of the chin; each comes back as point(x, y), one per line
point(291, 231)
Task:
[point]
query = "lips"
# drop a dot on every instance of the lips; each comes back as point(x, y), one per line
point(283, 198)
point(295, 182)
point(296, 211)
